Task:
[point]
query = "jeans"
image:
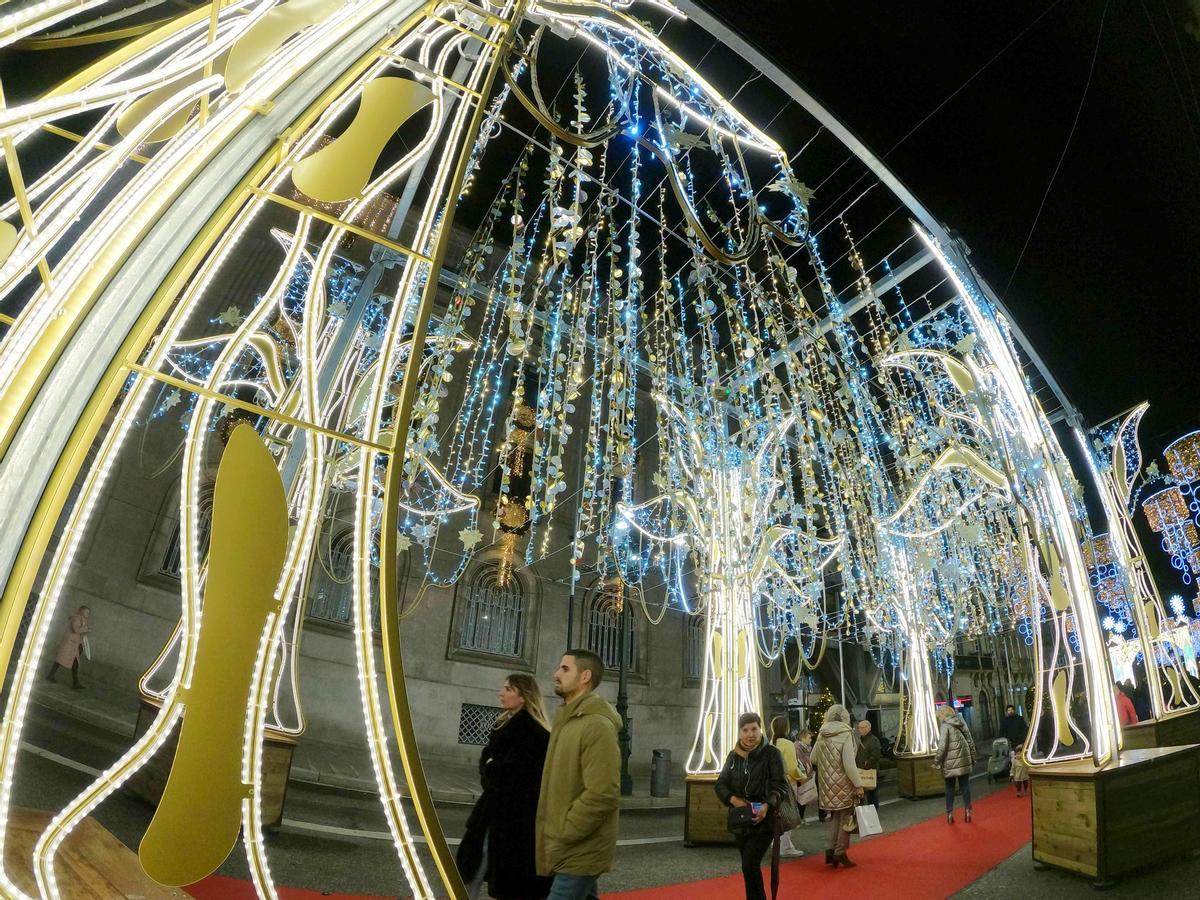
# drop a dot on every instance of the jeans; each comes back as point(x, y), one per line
point(475, 885)
point(964, 783)
point(753, 847)
point(574, 887)
point(872, 796)
point(839, 838)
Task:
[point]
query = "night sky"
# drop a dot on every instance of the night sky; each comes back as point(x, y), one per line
point(1107, 289)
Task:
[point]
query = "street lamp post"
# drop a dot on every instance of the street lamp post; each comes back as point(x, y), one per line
point(625, 737)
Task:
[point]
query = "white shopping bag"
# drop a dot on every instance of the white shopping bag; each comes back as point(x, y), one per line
point(868, 820)
point(87, 648)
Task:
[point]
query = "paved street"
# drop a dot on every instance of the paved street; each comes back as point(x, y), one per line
point(337, 841)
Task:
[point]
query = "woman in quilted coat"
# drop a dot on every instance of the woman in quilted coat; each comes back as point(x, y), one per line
point(956, 758)
point(838, 786)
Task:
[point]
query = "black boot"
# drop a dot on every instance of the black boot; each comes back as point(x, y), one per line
point(829, 857)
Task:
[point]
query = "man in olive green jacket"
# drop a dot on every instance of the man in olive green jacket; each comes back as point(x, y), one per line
point(578, 806)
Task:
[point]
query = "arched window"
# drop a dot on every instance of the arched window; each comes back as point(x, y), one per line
point(494, 615)
point(331, 588)
point(604, 630)
point(171, 564)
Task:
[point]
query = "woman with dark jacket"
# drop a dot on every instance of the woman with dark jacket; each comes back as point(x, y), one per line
point(753, 777)
point(499, 843)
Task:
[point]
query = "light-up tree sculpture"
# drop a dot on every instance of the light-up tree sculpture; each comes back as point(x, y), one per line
point(740, 541)
point(1071, 651)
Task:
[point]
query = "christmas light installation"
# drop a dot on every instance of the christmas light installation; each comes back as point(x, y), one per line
point(609, 308)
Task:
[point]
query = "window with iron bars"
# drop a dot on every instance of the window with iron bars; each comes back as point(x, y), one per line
point(171, 564)
point(331, 586)
point(475, 723)
point(494, 615)
point(604, 632)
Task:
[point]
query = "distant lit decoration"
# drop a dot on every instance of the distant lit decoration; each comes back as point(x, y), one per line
point(1174, 512)
point(1121, 578)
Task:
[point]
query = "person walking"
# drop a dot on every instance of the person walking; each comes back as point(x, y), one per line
point(1020, 771)
point(577, 813)
point(807, 792)
point(792, 774)
point(752, 785)
point(1126, 713)
point(838, 786)
point(71, 646)
point(498, 847)
point(1014, 727)
point(870, 751)
point(956, 758)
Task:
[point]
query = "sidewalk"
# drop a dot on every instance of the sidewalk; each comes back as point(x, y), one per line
point(333, 766)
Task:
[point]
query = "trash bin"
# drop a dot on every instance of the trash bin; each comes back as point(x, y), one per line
point(660, 773)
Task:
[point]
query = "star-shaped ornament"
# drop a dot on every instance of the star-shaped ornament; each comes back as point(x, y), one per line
point(232, 317)
point(470, 538)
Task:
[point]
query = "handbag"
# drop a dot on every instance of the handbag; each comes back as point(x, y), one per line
point(851, 824)
point(869, 778)
point(806, 792)
point(739, 816)
point(787, 816)
point(867, 819)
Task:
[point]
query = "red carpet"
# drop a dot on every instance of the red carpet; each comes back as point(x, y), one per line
point(927, 860)
point(218, 887)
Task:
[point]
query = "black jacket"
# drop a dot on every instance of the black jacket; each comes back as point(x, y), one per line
point(510, 770)
point(869, 752)
point(1014, 728)
point(757, 778)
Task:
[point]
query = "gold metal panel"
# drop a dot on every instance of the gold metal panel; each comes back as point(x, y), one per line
point(198, 819)
point(8, 240)
point(144, 106)
point(342, 169)
point(1059, 701)
point(268, 34)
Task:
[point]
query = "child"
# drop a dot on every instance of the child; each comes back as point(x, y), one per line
point(1020, 771)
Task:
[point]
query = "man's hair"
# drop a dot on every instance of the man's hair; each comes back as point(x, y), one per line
point(1010, 706)
point(866, 722)
point(747, 717)
point(586, 660)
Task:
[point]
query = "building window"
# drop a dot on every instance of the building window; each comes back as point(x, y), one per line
point(604, 631)
point(694, 642)
point(493, 616)
point(331, 584)
point(171, 562)
point(475, 723)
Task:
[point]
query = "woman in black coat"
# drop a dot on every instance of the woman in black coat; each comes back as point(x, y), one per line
point(499, 845)
point(753, 777)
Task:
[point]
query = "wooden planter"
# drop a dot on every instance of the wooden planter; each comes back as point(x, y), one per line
point(1107, 821)
point(1173, 731)
point(704, 816)
point(918, 777)
point(149, 781)
point(90, 863)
